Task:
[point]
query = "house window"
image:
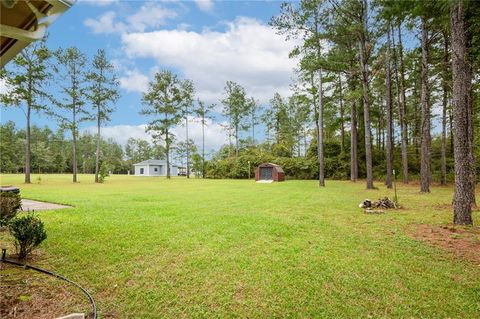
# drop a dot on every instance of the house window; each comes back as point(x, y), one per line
point(141, 171)
point(156, 169)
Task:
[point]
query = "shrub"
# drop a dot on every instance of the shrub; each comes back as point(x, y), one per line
point(10, 203)
point(28, 232)
point(103, 173)
point(295, 168)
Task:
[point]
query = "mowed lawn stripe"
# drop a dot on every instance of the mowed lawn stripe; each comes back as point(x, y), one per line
point(151, 248)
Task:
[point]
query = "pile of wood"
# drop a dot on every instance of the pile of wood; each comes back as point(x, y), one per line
point(376, 207)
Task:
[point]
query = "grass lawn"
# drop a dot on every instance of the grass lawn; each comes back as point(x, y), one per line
point(154, 248)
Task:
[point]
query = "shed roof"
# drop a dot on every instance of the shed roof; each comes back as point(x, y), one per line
point(152, 162)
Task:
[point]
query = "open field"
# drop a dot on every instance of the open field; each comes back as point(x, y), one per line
point(153, 248)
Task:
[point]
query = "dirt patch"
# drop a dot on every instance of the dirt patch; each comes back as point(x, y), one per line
point(463, 242)
point(29, 294)
point(443, 207)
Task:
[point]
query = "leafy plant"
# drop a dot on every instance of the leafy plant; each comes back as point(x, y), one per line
point(103, 173)
point(28, 232)
point(10, 203)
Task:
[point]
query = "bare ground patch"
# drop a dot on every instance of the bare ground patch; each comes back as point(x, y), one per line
point(463, 242)
point(29, 294)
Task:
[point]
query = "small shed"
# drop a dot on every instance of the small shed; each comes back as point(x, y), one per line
point(269, 172)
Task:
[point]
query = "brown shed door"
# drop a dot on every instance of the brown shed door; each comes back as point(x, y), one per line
point(266, 173)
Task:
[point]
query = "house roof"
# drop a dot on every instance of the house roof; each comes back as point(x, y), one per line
point(153, 162)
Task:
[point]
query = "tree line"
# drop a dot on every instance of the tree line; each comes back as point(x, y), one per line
point(355, 48)
point(52, 152)
point(65, 85)
point(362, 105)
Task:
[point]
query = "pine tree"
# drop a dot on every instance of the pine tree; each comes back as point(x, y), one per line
point(102, 91)
point(163, 104)
point(27, 81)
point(388, 98)
point(425, 160)
point(235, 109)
point(203, 112)
point(462, 203)
point(71, 73)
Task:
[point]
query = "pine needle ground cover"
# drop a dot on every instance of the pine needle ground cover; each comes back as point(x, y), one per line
point(157, 248)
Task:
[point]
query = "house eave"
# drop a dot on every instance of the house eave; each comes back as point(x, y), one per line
point(25, 22)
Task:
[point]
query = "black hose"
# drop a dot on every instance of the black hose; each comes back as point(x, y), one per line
point(94, 306)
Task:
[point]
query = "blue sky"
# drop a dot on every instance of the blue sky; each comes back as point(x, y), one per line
point(205, 41)
point(208, 42)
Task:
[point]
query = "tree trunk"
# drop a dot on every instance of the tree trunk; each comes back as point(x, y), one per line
point(450, 128)
point(443, 160)
point(97, 154)
point(382, 136)
point(426, 137)
point(353, 143)
point(402, 110)
point(305, 143)
point(253, 123)
point(342, 114)
point(416, 129)
point(353, 132)
point(379, 128)
point(27, 145)
point(230, 138)
point(471, 138)
point(167, 152)
point(469, 39)
point(236, 140)
point(188, 147)
point(321, 163)
point(74, 144)
point(388, 98)
point(316, 121)
point(462, 205)
point(203, 146)
point(366, 99)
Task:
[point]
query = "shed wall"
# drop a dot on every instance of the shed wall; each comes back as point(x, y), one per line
point(145, 170)
point(278, 176)
point(152, 170)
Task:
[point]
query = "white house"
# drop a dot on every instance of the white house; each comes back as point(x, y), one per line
point(154, 167)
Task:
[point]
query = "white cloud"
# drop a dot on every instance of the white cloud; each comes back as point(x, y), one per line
point(105, 24)
point(4, 87)
point(248, 52)
point(150, 15)
point(215, 135)
point(133, 81)
point(205, 5)
point(121, 133)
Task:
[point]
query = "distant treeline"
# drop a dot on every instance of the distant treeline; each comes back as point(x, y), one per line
point(51, 153)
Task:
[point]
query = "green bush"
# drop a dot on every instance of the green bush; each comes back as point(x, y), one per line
point(10, 203)
point(294, 167)
point(28, 232)
point(103, 172)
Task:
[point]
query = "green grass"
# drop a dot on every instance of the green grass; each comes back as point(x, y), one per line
point(153, 248)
